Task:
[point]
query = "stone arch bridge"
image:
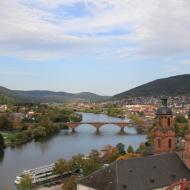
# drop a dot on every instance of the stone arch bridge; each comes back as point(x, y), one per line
point(98, 125)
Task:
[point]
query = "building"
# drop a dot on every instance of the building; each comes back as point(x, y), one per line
point(164, 135)
point(186, 154)
point(155, 172)
point(3, 108)
point(165, 170)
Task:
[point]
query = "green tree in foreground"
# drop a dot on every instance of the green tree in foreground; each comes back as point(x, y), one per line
point(76, 162)
point(26, 183)
point(121, 148)
point(61, 166)
point(130, 149)
point(70, 184)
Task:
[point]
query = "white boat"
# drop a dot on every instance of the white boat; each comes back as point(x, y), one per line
point(40, 174)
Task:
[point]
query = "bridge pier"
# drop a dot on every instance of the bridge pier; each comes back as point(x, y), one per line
point(122, 130)
point(73, 130)
point(97, 130)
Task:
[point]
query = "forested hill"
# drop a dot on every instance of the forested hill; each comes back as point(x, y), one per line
point(43, 96)
point(172, 86)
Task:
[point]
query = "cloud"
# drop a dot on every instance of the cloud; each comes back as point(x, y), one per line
point(18, 73)
point(186, 62)
point(56, 29)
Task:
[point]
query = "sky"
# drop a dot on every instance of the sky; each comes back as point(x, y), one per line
point(100, 46)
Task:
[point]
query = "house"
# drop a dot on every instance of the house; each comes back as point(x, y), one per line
point(165, 170)
point(3, 108)
point(155, 172)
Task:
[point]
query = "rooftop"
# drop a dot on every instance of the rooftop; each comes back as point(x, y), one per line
point(140, 173)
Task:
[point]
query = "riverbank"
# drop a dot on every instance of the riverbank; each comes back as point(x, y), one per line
point(64, 145)
point(122, 113)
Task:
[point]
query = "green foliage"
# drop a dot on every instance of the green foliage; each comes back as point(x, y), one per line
point(95, 156)
point(113, 157)
point(115, 112)
point(26, 183)
point(39, 132)
point(141, 113)
point(4, 123)
point(61, 166)
point(130, 149)
point(172, 86)
point(6, 100)
point(121, 148)
point(21, 136)
point(89, 166)
point(70, 183)
point(142, 149)
point(76, 162)
point(180, 131)
point(180, 119)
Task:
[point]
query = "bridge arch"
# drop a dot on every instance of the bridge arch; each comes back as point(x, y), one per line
point(98, 125)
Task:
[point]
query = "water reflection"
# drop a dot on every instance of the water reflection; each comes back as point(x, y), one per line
point(1, 156)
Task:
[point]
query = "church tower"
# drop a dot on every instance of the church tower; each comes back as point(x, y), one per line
point(186, 154)
point(164, 134)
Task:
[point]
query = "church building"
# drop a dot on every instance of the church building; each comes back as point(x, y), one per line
point(164, 170)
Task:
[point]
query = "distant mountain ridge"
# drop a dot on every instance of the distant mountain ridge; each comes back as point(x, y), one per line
point(171, 86)
point(45, 96)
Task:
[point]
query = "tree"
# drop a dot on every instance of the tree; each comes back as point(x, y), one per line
point(2, 142)
point(142, 149)
point(61, 166)
point(121, 148)
point(39, 132)
point(128, 156)
point(4, 122)
point(17, 123)
point(180, 119)
point(79, 164)
point(70, 184)
point(95, 156)
point(76, 163)
point(113, 156)
point(108, 151)
point(89, 166)
point(26, 183)
point(130, 149)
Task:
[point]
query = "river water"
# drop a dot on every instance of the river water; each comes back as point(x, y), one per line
point(64, 145)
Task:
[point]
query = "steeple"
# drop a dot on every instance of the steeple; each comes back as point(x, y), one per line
point(164, 135)
point(164, 101)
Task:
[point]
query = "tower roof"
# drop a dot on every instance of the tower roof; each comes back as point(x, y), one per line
point(164, 109)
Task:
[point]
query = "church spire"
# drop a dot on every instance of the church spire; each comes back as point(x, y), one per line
point(164, 135)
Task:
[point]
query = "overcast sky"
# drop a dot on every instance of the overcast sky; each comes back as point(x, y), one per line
point(101, 46)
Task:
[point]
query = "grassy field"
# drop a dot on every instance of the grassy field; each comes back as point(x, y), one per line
point(8, 136)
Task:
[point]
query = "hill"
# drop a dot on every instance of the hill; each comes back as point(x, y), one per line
point(44, 96)
point(172, 86)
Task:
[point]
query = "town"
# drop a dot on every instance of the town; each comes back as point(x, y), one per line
point(94, 95)
point(166, 127)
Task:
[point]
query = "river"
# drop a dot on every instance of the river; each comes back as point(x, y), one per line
point(63, 145)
